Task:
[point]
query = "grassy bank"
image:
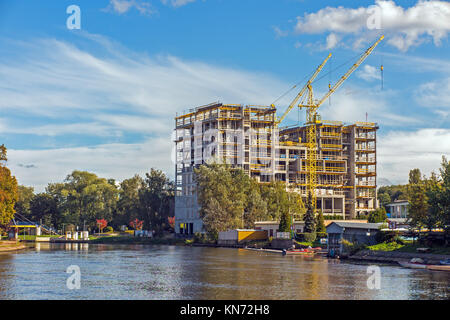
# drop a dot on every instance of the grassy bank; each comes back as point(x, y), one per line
point(406, 247)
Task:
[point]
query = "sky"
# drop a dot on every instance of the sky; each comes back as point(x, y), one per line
point(103, 97)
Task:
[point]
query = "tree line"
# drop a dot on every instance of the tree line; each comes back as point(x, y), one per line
point(83, 199)
point(230, 199)
point(429, 198)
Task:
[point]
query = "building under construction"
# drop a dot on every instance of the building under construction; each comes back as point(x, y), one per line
point(248, 137)
point(333, 162)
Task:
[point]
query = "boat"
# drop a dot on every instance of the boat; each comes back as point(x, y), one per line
point(439, 267)
point(445, 262)
point(298, 251)
point(412, 265)
point(417, 263)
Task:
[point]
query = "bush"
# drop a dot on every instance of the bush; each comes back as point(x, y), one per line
point(388, 236)
point(309, 237)
point(378, 215)
point(321, 235)
point(109, 229)
point(204, 237)
point(352, 247)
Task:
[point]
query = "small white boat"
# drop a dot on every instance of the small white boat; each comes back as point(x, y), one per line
point(412, 265)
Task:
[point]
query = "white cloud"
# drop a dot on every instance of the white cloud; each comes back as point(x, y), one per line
point(104, 95)
point(350, 104)
point(369, 73)
point(401, 151)
point(177, 3)
point(85, 92)
point(118, 161)
point(123, 6)
point(332, 41)
point(405, 27)
point(435, 94)
point(62, 80)
point(279, 33)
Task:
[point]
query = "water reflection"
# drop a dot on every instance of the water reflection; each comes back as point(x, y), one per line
point(169, 272)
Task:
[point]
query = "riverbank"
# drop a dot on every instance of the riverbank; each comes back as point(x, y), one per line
point(10, 246)
point(137, 240)
point(396, 256)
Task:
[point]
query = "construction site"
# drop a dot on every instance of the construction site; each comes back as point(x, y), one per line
point(332, 161)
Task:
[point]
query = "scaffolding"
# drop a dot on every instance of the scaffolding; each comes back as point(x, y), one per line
point(248, 137)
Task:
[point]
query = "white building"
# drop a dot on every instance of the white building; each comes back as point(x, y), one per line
point(398, 209)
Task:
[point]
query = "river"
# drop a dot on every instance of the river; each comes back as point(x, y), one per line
point(178, 272)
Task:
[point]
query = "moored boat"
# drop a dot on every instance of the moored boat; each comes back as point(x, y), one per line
point(298, 251)
point(412, 265)
point(439, 267)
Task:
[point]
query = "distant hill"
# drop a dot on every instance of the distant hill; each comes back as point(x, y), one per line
point(384, 182)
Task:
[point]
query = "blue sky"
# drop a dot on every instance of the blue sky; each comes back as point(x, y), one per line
point(103, 98)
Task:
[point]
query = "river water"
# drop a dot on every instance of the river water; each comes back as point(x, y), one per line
point(177, 272)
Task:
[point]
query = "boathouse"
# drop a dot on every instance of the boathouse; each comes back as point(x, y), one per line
point(351, 231)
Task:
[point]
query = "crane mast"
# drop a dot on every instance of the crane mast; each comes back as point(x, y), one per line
point(313, 118)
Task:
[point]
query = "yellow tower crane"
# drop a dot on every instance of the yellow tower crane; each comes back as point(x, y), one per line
point(313, 118)
point(302, 92)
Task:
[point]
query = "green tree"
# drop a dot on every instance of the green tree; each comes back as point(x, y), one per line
point(25, 195)
point(285, 222)
point(384, 199)
point(395, 192)
point(8, 190)
point(128, 206)
point(278, 200)
point(310, 220)
point(433, 218)
point(221, 192)
point(43, 208)
point(156, 201)
point(444, 194)
point(321, 223)
point(378, 215)
point(418, 200)
point(83, 198)
point(255, 207)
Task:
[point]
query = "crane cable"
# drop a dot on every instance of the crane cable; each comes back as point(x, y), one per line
point(300, 82)
point(309, 75)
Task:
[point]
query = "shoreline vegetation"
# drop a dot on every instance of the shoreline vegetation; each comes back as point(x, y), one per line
point(382, 252)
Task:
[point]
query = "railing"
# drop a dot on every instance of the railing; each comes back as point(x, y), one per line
point(365, 171)
point(363, 147)
point(365, 195)
point(366, 183)
point(365, 136)
point(365, 159)
point(333, 169)
point(366, 124)
point(331, 146)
